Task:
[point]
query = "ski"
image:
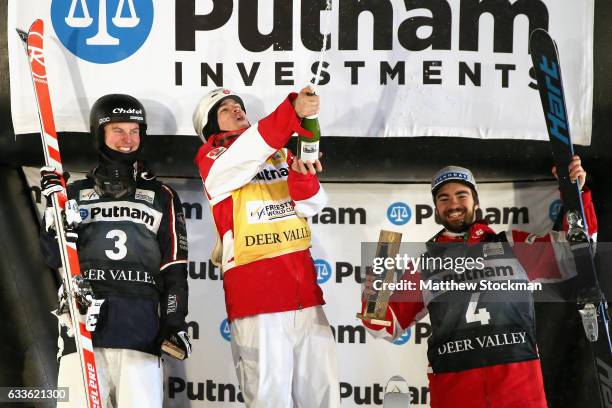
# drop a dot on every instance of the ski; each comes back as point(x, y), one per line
point(591, 302)
point(34, 42)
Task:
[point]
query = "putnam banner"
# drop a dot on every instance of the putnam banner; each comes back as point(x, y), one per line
point(354, 214)
point(391, 67)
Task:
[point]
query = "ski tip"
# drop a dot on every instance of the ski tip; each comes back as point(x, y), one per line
point(538, 31)
point(37, 27)
point(537, 34)
point(22, 35)
point(537, 37)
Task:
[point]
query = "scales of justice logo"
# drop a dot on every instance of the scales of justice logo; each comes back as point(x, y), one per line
point(102, 31)
point(399, 213)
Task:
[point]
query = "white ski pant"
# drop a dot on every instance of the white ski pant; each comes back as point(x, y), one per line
point(286, 360)
point(128, 378)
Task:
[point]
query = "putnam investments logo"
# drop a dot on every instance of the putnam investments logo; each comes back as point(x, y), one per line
point(324, 270)
point(102, 31)
point(553, 210)
point(403, 339)
point(224, 329)
point(399, 213)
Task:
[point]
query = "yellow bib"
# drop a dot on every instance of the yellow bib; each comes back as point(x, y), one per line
point(265, 222)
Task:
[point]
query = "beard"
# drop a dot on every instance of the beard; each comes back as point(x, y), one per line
point(460, 224)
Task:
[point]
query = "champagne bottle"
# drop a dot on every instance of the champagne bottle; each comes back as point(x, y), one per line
point(308, 148)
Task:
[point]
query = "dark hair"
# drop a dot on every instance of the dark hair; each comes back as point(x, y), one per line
point(212, 124)
point(434, 193)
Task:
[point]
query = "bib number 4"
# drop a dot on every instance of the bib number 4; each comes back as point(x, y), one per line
point(476, 315)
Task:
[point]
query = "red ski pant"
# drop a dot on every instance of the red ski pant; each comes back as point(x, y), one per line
point(500, 386)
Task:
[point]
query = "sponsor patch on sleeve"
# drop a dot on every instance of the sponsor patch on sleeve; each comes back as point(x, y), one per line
point(214, 153)
point(493, 249)
point(145, 195)
point(88, 194)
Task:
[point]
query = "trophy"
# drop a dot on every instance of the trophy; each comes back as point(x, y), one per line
point(173, 350)
point(178, 345)
point(376, 304)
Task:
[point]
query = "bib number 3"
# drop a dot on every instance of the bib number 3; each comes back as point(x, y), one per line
point(120, 250)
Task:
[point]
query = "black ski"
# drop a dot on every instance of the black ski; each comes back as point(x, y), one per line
point(592, 305)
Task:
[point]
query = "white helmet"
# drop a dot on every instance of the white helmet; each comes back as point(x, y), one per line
point(204, 123)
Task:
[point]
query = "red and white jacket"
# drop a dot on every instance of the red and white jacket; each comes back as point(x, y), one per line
point(510, 376)
point(259, 206)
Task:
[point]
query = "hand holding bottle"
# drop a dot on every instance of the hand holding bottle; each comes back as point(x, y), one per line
point(303, 167)
point(306, 103)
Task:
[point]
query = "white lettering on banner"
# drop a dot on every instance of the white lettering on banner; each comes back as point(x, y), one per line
point(444, 54)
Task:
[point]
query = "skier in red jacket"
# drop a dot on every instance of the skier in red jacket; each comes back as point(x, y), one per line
point(482, 351)
point(261, 196)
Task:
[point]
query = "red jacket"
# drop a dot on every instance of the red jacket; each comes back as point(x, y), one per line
point(513, 380)
point(246, 184)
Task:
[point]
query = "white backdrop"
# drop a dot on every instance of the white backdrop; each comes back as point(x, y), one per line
point(160, 57)
point(365, 364)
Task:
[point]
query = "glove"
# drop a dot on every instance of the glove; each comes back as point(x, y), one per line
point(173, 308)
point(51, 181)
point(86, 302)
point(379, 331)
point(93, 313)
point(72, 219)
point(63, 311)
point(173, 329)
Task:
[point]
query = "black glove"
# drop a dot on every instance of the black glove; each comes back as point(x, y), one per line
point(173, 329)
point(71, 235)
point(173, 305)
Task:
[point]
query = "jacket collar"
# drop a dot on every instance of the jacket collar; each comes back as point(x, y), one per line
point(216, 139)
point(477, 233)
